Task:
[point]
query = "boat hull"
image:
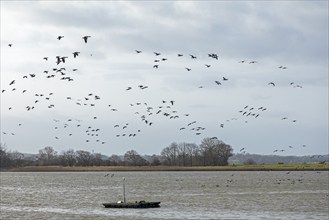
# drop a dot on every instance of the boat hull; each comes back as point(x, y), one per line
point(133, 205)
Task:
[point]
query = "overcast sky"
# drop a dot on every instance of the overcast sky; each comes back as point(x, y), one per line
point(264, 87)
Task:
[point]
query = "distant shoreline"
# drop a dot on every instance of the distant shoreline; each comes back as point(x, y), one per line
point(269, 167)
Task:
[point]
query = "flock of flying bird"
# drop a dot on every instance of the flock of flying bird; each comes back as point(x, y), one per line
point(146, 112)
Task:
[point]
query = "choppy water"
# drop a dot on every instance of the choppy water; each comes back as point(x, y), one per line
point(183, 195)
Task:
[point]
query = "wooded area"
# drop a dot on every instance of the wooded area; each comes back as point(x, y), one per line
point(211, 152)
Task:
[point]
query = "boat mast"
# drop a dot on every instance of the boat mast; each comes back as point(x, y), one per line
point(124, 190)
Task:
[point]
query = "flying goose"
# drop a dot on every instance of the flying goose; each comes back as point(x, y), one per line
point(75, 54)
point(85, 38)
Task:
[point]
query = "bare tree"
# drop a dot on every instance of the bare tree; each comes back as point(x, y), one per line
point(16, 158)
point(170, 154)
point(114, 160)
point(5, 160)
point(84, 158)
point(68, 158)
point(155, 160)
point(132, 158)
point(207, 151)
point(215, 152)
point(224, 151)
point(47, 156)
point(182, 154)
point(97, 157)
point(192, 153)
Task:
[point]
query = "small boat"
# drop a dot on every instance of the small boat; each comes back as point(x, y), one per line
point(140, 204)
point(124, 204)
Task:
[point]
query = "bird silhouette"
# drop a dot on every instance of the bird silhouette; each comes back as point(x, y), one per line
point(109, 175)
point(85, 38)
point(213, 55)
point(63, 59)
point(193, 122)
point(60, 37)
point(138, 51)
point(271, 83)
point(75, 54)
point(58, 60)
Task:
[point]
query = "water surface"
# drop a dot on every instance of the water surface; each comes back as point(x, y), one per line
point(183, 195)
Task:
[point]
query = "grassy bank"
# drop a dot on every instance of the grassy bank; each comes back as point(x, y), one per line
point(269, 167)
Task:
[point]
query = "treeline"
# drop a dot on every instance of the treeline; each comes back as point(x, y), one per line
point(211, 152)
point(251, 159)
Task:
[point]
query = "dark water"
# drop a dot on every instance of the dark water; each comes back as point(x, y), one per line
point(183, 195)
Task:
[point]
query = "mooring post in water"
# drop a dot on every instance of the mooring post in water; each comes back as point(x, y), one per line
point(124, 191)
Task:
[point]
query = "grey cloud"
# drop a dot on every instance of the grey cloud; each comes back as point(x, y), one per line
point(294, 34)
